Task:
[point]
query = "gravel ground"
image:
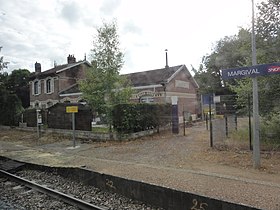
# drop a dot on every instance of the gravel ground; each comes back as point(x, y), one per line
point(185, 163)
point(23, 198)
point(15, 196)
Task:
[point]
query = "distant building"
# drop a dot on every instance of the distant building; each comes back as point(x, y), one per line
point(46, 87)
point(160, 85)
point(59, 84)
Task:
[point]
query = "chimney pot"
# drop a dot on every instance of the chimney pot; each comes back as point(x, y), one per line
point(166, 59)
point(37, 67)
point(71, 59)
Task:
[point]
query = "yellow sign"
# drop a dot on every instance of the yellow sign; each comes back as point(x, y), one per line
point(71, 109)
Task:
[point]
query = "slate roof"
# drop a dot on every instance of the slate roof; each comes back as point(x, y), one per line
point(73, 89)
point(56, 69)
point(152, 77)
point(145, 78)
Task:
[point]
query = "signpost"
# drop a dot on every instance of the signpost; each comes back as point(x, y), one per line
point(73, 110)
point(253, 72)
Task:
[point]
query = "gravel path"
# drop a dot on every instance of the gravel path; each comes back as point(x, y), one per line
point(181, 162)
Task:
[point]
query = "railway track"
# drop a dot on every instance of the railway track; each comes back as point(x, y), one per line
point(53, 189)
point(50, 192)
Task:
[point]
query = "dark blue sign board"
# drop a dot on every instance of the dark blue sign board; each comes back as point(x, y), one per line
point(251, 71)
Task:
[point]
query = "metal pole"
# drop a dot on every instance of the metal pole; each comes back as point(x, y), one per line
point(73, 126)
point(226, 122)
point(256, 124)
point(184, 119)
point(210, 122)
point(250, 126)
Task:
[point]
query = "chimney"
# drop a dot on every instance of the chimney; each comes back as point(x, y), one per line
point(37, 68)
point(166, 59)
point(71, 59)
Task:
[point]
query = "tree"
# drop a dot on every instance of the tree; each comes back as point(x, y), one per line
point(17, 83)
point(229, 52)
point(235, 51)
point(2, 63)
point(268, 31)
point(268, 51)
point(10, 105)
point(103, 86)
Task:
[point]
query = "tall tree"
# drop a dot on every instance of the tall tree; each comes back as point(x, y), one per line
point(229, 52)
point(103, 86)
point(268, 51)
point(17, 83)
point(10, 105)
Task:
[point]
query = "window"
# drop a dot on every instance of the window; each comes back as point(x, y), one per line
point(36, 87)
point(48, 85)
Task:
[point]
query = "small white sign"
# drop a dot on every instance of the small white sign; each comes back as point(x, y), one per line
point(174, 100)
point(217, 99)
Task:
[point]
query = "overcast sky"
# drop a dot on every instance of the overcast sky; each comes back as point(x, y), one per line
point(48, 30)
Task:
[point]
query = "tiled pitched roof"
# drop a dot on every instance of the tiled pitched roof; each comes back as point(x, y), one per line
point(73, 89)
point(55, 70)
point(152, 77)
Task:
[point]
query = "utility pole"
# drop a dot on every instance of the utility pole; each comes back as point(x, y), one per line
point(256, 123)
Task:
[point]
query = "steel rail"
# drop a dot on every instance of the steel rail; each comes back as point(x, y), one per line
point(53, 193)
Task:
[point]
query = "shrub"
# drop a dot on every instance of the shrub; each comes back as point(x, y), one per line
point(128, 118)
point(270, 128)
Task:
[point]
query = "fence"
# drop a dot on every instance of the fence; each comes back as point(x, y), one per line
point(222, 127)
point(56, 117)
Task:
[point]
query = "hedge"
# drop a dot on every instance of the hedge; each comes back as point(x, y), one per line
point(129, 118)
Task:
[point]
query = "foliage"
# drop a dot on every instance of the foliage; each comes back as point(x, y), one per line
point(3, 64)
point(17, 83)
point(103, 86)
point(10, 108)
point(268, 51)
point(235, 51)
point(270, 128)
point(229, 52)
point(10, 105)
point(128, 118)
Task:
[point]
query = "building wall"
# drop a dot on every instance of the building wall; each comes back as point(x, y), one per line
point(181, 86)
point(61, 81)
point(43, 98)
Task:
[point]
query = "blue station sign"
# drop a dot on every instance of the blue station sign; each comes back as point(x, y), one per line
point(251, 71)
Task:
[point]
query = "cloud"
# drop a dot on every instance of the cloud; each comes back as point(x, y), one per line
point(109, 6)
point(71, 12)
point(130, 27)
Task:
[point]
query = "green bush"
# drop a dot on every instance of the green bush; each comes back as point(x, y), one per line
point(129, 118)
point(270, 128)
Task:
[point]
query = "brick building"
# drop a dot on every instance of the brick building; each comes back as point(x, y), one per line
point(46, 87)
point(160, 85)
point(59, 84)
